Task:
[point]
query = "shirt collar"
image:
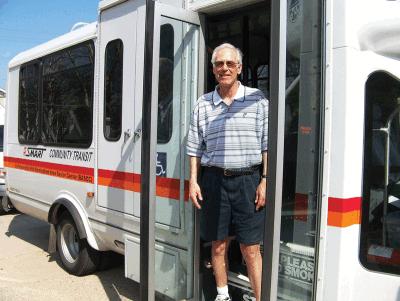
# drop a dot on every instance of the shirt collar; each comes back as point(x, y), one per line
point(239, 94)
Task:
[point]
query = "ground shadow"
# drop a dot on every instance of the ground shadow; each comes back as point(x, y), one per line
point(111, 273)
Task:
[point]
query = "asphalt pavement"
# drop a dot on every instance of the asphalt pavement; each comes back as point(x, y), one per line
point(29, 272)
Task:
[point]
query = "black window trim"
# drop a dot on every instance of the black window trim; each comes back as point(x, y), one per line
point(22, 67)
point(363, 243)
point(105, 90)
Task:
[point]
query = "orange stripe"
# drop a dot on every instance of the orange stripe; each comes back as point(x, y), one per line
point(344, 212)
point(69, 172)
point(345, 219)
point(165, 187)
point(120, 184)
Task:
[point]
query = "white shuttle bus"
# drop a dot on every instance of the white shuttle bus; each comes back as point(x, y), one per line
point(95, 143)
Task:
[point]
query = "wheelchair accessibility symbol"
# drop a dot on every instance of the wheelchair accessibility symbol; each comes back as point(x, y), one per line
point(161, 165)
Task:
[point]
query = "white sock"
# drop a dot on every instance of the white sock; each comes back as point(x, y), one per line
point(223, 291)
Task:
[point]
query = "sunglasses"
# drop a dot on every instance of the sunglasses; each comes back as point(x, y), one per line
point(229, 64)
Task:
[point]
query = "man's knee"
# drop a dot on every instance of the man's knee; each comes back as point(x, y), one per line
point(220, 247)
point(250, 252)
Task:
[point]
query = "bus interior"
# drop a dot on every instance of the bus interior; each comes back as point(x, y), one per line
point(249, 29)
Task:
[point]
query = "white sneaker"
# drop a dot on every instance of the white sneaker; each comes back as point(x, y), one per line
point(223, 298)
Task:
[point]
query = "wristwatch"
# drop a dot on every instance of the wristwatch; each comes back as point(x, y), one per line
point(263, 176)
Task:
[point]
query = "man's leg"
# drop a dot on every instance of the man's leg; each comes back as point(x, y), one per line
point(252, 256)
point(219, 257)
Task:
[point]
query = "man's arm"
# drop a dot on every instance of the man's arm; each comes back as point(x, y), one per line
point(262, 187)
point(194, 188)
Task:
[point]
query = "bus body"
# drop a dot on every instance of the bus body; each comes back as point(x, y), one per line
point(73, 141)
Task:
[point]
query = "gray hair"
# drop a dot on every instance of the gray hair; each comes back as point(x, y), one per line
point(239, 54)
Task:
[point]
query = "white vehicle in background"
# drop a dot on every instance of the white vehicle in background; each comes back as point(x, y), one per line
point(5, 204)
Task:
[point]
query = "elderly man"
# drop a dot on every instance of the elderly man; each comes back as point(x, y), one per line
point(229, 136)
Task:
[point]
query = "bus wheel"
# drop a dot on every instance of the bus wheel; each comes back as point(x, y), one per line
point(5, 205)
point(78, 257)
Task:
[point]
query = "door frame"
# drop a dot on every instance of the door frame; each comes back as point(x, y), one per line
point(154, 12)
point(276, 128)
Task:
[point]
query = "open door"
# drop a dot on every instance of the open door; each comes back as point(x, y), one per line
point(296, 151)
point(173, 81)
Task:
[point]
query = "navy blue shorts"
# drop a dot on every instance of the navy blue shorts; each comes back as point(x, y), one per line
point(228, 208)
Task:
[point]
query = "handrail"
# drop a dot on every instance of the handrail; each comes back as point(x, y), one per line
point(78, 24)
point(386, 130)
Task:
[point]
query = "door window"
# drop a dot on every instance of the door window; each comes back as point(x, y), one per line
point(304, 110)
point(165, 84)
point(113, 90)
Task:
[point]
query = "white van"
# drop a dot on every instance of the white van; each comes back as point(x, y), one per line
point(81, 151)
point(5, 204)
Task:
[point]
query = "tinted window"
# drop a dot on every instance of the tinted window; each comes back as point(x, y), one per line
point(67, 96)
point(28, 114)
point(165, 84)
point(380, 223)
point(113, 90)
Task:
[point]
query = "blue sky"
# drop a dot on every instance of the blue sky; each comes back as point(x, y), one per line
point(25, 24)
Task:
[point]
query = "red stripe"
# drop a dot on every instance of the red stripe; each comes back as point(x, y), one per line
point(344, 205)
point(344, 212)
point(301, 207)
point(168, 183)
point(120, 175)
point(165, 187)
point(60, 167)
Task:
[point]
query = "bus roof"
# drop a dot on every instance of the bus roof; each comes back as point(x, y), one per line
point(77, 36)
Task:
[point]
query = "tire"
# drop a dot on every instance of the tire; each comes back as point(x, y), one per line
point(6, 206)
point(77, 256)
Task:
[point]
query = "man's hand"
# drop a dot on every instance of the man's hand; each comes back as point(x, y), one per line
point(261, 194)
point(195, 193)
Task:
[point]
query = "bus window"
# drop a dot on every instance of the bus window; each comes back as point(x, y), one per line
point(28, 104)
point(165, 84)
point(380, 225)
point(68, 97)
point(113, 90)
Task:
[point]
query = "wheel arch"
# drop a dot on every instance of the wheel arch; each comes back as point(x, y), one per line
point(68, 203)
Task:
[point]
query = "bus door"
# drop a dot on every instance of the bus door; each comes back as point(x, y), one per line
point(176, 84)
point(296, 153)
point(118, 150)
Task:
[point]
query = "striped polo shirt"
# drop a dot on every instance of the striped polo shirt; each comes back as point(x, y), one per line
point(229, 136)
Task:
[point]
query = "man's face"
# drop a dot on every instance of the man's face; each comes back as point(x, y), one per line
point(226, 75)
